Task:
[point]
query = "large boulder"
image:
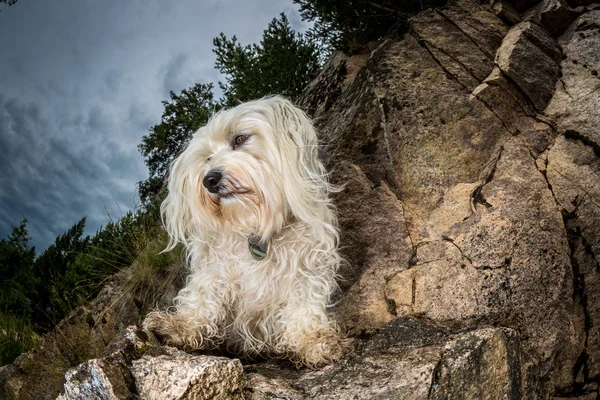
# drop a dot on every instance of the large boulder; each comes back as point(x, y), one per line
point(407, 359)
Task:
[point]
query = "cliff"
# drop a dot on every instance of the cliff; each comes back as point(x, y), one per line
point(470, 218)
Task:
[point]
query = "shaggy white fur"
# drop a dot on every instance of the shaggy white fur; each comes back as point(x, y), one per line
point(253, 172)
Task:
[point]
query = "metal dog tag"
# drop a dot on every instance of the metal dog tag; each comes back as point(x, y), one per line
point(257, 248)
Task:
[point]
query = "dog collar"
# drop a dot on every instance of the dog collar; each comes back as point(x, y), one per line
point(257, 248)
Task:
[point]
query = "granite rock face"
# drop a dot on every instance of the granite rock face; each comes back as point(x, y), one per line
point(489, 168)
point(574, 107)
point(469, 155)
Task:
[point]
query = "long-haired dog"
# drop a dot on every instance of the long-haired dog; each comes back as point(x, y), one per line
point(249, 199)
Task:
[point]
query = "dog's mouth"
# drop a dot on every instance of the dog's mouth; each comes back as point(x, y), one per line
point(225, 195)
point(231, 191)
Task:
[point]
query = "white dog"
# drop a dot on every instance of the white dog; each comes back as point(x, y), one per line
point(249, 198)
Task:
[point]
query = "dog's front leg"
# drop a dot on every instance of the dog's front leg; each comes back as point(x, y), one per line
point(311, 337)
point(196, 320)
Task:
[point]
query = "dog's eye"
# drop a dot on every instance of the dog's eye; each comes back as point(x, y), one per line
point(239, 140)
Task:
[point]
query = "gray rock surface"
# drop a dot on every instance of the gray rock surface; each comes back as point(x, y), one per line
point(109, 377)
point(506, 12)
point(89, 380)
point(574, 107)
point(531, 66)
point(407, 359)
point(170, 374)
point(555, 15)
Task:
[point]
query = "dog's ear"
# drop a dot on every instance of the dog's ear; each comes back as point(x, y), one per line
point(305, 178)
point(176, 209)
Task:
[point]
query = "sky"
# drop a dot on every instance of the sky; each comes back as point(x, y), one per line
point(81, 81)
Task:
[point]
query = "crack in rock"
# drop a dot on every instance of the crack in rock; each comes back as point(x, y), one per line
point(476, 195)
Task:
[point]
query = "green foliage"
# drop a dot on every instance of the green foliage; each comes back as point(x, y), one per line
point(8, 2)
point(114, 247)
point(50, 267)
point(184, 113)
point(17, 290)
point(283, 63)
point(17, 286)
point(350, 24)
point(153, 273)
point(16, 337)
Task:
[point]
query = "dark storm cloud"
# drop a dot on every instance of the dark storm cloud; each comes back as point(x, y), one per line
point(181, 70)
point(53, 181)
point(83, 81)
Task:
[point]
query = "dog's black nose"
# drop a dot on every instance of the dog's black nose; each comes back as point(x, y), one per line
point(211, 181)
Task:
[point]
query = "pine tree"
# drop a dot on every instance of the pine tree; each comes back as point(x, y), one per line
point(17, 286)
point(50, 267)
point(283, 63)
point(184, 113)
point(349, 25)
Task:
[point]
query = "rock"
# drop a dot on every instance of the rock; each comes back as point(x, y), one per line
point(574, 107)
point(487, 244)
point(483, 267)
point(586, 4)
point(131, 342)
point(11, 381)
point(554, 15)
point(523, 5)
point(110, 377)
point(479, 365)
point(407, 359)
point(463, 57)
point(506, 101)
point(383, 247)
point(107, 379)
point(167, 373)
point(482, 27)
point(573, 170)
point(79, 337)
point(506, 12)
point(587, 396)
point(540, 37)
point(529, 62)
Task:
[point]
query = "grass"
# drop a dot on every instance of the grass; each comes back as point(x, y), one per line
point(155, 276)
point(16, 337)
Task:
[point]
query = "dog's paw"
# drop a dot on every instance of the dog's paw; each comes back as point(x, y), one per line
point(176, 330)
point(325, 350)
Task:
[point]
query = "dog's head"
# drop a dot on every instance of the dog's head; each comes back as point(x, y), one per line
point(251, 170)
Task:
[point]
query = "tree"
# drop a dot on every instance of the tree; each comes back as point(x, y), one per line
point(350, 24)
point(184, 113)
point(51, 266)
point(17, 286)
point(283, 63)
point(8, 2)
